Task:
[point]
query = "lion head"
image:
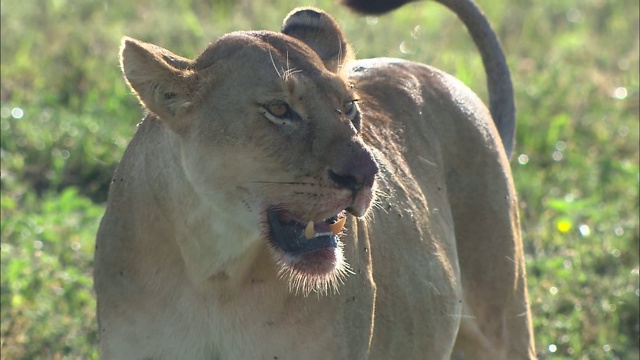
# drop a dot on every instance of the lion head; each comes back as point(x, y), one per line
point(277, 149)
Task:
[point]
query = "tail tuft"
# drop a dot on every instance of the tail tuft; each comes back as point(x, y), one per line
point(374, 7)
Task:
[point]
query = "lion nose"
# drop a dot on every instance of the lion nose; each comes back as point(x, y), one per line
point(355, 172)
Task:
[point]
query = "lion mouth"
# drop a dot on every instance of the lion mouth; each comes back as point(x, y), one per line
point(308, 253)
point(295, 237)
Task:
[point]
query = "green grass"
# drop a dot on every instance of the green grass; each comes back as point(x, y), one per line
point(66, 116)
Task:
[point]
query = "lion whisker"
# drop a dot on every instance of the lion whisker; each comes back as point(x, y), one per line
point(274, 63)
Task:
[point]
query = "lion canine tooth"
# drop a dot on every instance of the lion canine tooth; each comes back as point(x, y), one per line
point(337, 226)
point(309, 231)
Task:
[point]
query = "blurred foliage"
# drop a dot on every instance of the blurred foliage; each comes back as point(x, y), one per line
point(66, 116)
point(47, 301)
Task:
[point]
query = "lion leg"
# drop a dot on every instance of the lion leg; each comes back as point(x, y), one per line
point(496, 321)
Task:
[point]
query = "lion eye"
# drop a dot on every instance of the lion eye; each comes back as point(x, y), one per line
point(279, 109)
point(350, 109)
point(280, 113)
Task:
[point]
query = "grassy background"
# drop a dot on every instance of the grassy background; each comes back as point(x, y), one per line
point(66, 116)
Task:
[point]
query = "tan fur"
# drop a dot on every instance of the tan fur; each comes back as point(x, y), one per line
point(183, 269)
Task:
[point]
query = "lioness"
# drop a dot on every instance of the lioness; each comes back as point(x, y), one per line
point(274, 166)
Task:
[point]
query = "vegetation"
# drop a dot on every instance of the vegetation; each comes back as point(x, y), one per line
point(66, 117)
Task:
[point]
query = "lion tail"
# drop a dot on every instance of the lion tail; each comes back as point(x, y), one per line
point(501, 98)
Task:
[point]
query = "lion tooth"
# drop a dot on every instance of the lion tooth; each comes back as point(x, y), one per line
point(309, 231)
point(336, 227)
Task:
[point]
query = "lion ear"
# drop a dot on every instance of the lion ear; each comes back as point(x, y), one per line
point(321, 33)
point(161, 80)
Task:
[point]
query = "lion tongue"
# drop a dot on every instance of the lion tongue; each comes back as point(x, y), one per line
point(333, 229)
